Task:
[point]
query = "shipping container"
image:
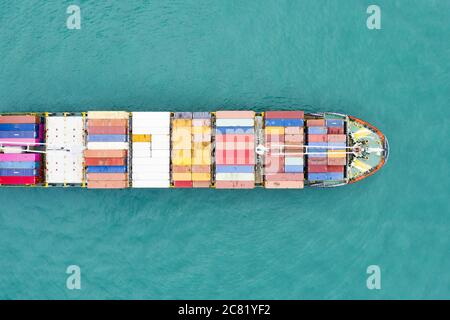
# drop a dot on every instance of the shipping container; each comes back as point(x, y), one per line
point(235, 184)
point(284, 115)
point(106, 123)
point(293, 161)
point(337, 138)
point(314, 161)
point(106, 169)
point(107, 115)
point(18, 172)
point(108, 130)
point(19, 165)
point(292, 169)
point(15, 180)
point(20, 119)
point(335, 123)
point(237, 169)
point(284, 184)
point(235, 130)
point(105, 153)
point(201, 176)
point(201, 184)
point(105, 161)
point(96, 184)
point(107, 138)
point(107, 145)
point(317, 138)
point(274, 130)
point(19, 127)
point(107, 176)
point(201, 115)
point(294, 130)
point(235, 176)
point(235, 122)
point(335, 130)
point(235, 114)
point(317, 130)
point(19, 134)
point(284, 176)
point(315, 123)
point(294, 138)
point(201, 169)
point(17, 157)
point(183, 184)
point(284, 122)
point(141, 138)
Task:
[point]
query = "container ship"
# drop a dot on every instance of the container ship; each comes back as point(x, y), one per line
point(221, 150)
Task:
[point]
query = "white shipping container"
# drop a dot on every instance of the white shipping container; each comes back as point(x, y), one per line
point(235, 176)
point(150, 176)
point(235, 122)
point(138, 167)
point(150, 161)
point(150, 130)
point(150, 184)
point(107, 145)
point(161, 142)
point(108, 115)
point(293, 161)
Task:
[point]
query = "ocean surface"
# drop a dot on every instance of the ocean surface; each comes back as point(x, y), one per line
point(198, 55)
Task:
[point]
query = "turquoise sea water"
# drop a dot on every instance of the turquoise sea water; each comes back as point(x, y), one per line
point(209, 55)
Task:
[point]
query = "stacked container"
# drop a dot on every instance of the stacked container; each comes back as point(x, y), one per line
point(18, 168)
point(201, 150)
point(151, 149)
point(326, 149)
point(182, 150)
point(107, 149)
point(62, 166)
point(283, 164)
point(235, 149)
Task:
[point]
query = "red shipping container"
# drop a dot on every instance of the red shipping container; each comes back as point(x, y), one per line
point(317, 161)
point(105, 161)
point(107, 122)
point(20, 119)
point(284, 176)
point(317, 168)
point(107, 130)
point(284, 114)
point(273, 164)
point(317, 138)
point(182, 184)
point(339, 169)
point(315, 123)
point(335, 130)
point(337, 138)
point(18, 180)
point(107, 176)
point(274, 138)
point(105, 153)
point(201, 169)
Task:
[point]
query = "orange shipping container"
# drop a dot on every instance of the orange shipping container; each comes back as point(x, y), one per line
point(105, 161)
point(235, 114)
point(19, 119)
point(181, 169)
point(284, 184)
point(105, 153)
point(293, 130)
point(107, 184)
point(293, 138)
point(201, 184)
point(315, 123)
point(235, 184)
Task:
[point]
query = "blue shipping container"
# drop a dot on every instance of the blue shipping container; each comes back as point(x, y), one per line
point(329, 176)
point(18, 134)
point(107, 138)
point(335, 123)
point(201, 115)
point(182, 115)
point(292, 169)
point(19, 165)
point(337, 145)
point(231, 169)
point(106, 169)
point(19, 127)
point(18, 172)
point(235, 130)
point(317, 130)
point(284, 122)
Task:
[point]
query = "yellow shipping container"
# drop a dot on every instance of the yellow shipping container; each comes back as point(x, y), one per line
point(201, 176)
point(274, 130)
point(201, 156)
point(182, 176)
point(201, 130)
point(181, 140)
point(181, 123)
point(336, 154)
point(142, 138)
point(181, 157)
